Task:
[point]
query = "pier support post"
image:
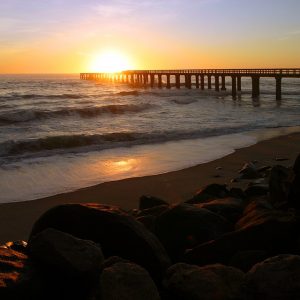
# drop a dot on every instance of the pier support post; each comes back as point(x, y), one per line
point(152, 80)
point(188, 81)
point(197, 82)
point(239, 83)
point(145, 78)
point(255, 86)
point(177, 79)
point(278, 87)
point(217, 88)
point(202, 82)
point(209, 82)
point(159, 81)
point(168, 82)
point(223, 84)
point(233, 86)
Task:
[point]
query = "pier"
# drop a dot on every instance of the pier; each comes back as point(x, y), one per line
point(198, 78)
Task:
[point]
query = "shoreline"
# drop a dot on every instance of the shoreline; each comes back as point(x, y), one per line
point(16, 218)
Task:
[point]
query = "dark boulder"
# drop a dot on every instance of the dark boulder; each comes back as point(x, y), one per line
point(229, 208)
point(249, 171)
point(149, 202)
point(256, 190)
point(184, 226)
point(245, 260)
point(126, 281)
point(209, 192)
point(276, 278)
point(272, 234)
point(294, 192)
point(153, 211)
point(148, 222)
point(212, 282)
point(63, 253)
point(116, 232)
point(279, 184)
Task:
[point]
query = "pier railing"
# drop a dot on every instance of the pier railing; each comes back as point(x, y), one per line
point(277, 71)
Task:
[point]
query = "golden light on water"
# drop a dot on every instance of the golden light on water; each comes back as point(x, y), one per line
point(110, 61)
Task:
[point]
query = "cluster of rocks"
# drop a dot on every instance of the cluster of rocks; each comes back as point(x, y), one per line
point(220, 244)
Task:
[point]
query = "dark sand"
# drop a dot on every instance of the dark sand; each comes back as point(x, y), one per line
point(16, 219)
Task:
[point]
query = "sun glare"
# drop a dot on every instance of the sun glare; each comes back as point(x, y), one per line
point(110, 62)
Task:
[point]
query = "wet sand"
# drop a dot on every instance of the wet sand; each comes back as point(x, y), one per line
point(16, 219)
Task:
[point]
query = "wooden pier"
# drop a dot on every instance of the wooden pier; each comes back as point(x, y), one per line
point(161, 78)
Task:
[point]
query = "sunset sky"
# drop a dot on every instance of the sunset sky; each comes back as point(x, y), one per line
point(55, 36)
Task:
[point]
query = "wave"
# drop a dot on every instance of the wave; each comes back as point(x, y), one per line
point(128, 93)
point(17, 96)
point(80, 142)
point(86, 112)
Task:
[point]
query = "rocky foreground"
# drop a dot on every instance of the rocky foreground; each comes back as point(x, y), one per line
point(221, 244)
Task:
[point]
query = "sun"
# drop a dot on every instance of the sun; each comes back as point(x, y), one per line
point(110, 62)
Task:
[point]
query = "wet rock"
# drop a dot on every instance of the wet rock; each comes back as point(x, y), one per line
point(245, 260)
point(276, 278)
point(270, 233)
point(257, 190)
point(17, 279)
point(249, 171)
point(184, 226)
point(281, 158)
point(148, 222)
point(210, 192)
point(212, 282)
point(294, 192)
point(149, 202)
point(279, 184)
point(237, 193)
point(127, 281)
point(229, 208)
point(116, 232)
point(61, 252)
point(153, 211)
point(20, 246)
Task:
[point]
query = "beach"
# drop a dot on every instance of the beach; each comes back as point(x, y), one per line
point(16, 219)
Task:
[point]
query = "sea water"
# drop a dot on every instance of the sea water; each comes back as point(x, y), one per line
point(59, 133)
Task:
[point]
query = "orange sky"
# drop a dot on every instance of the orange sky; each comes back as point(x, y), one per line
point(56, 37)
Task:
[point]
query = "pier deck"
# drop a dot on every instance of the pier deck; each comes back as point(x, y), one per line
point(154, 78)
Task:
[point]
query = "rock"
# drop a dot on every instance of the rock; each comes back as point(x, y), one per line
point(237, 193)
point(212, 282)
point(229, 208)
point(294, 192)
point(127, 281)
point(279, 184)
point(148, 222)
point(184, 226)
point(264, 169)
point(63, 253)
point(20, 246)
point(281, 158)
point(17, 280)
point(276, 278)
point(249, 171)
point(257, 190)
point(153, 211)
point(149, 202)
point(245, 260)
point(296, 167)
point(210, 192)
point(116, 232)
point(270, 233)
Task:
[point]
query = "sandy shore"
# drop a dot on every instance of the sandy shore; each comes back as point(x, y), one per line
point(16, 219)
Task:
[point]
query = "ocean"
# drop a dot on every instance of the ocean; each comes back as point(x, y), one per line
point(59, 133)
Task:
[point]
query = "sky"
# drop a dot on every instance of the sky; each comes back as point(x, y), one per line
point(67, 36)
